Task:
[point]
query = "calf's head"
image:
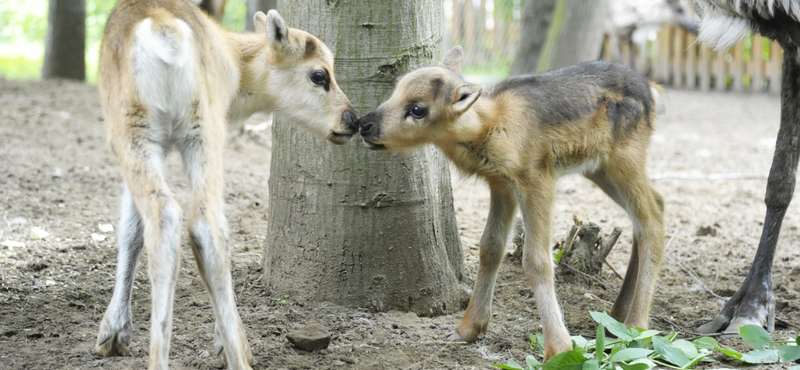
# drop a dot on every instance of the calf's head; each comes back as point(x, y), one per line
point(425, 107)
point(299, 80)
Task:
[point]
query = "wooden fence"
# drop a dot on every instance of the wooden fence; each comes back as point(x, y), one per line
point(675, 59)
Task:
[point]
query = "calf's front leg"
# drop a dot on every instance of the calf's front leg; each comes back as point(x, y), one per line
point(502, 207)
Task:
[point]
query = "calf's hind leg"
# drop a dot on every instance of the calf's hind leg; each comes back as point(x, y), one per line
point(116, 328)
point(202, 156)
point(142, 164)
point(627, 184)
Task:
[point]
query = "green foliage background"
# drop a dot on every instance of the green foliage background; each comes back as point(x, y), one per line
point(23, 26)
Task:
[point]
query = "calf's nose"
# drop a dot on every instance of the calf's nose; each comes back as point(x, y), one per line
point(368, 123)
point(366, 129)
point(350, 120)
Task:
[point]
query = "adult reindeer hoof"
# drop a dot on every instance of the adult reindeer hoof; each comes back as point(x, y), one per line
point(748, 306)
point(112, 342)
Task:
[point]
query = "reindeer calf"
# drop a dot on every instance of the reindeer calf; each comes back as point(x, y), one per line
point(593, 118)
point(172, 78)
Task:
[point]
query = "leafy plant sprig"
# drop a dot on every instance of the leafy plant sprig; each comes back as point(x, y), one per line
point(640, 349)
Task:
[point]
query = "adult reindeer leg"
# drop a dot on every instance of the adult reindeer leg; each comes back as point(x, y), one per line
point(754, 303)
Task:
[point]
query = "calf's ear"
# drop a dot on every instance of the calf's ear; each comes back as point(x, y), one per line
point(464, 96)
point(453, 58)
point(274, 26)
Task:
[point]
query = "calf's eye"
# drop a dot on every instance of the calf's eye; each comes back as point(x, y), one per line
point(418, 112)
point(318, 77)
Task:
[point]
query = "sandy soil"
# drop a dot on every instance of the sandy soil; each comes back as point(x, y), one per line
point(709, 159)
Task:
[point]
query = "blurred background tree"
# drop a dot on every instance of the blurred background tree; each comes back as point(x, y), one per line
point(23, 30)
point(254, 6)
point(558, 33)
point(528, 35)
point(65, 43)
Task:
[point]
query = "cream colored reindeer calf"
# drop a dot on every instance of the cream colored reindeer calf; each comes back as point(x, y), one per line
point(172, 78)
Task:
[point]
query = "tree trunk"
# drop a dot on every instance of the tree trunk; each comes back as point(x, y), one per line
point(214, 8)
point(558, 33)
point(64, 52)
point(352, 226)
point(255, 5)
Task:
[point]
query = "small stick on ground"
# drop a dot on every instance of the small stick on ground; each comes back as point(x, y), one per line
point(587, 276)
point(613, 269)
point(689, 271)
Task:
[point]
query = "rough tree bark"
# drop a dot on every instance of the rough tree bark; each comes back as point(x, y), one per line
point(257, 5)
point(558, 33)
point(353, 226)
point(65, 43)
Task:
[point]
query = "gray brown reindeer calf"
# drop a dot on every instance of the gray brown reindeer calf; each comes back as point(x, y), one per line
point(593, 118)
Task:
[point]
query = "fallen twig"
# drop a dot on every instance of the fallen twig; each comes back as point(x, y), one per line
point(689, 271)
point(613, 269)
point(586, 275)
point(675, 327)
point(786, 323)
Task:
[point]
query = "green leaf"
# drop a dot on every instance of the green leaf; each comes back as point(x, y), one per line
point(569, 360)
point(755, 336)
point(537, 340)
point(761, 356)
point(647, 334)
point(579, 342)
point(506, 367)
point(694, 361)
point(797, 340)
point(591, 365)
point(706, 342)
point(557, 256)
point(532, 362)
point(687, 347)
point(670, 352)
point(629, 354)
point(789, 353)
point(730, 352)
point(615, 349)
point(510, 365)
point(600, 341)
point(638, 366)
point(647, 361)
point(615, 327)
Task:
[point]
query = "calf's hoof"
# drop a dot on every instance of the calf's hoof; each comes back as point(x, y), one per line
point(113, 343)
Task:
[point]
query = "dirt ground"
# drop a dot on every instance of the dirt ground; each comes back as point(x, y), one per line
point(709, 159)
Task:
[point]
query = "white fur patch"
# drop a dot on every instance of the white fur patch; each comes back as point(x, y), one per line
point(658, 99)
point(590, 165)
point(726, 22)
point(130, 247)
point(164, 69)
point(722, 31)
